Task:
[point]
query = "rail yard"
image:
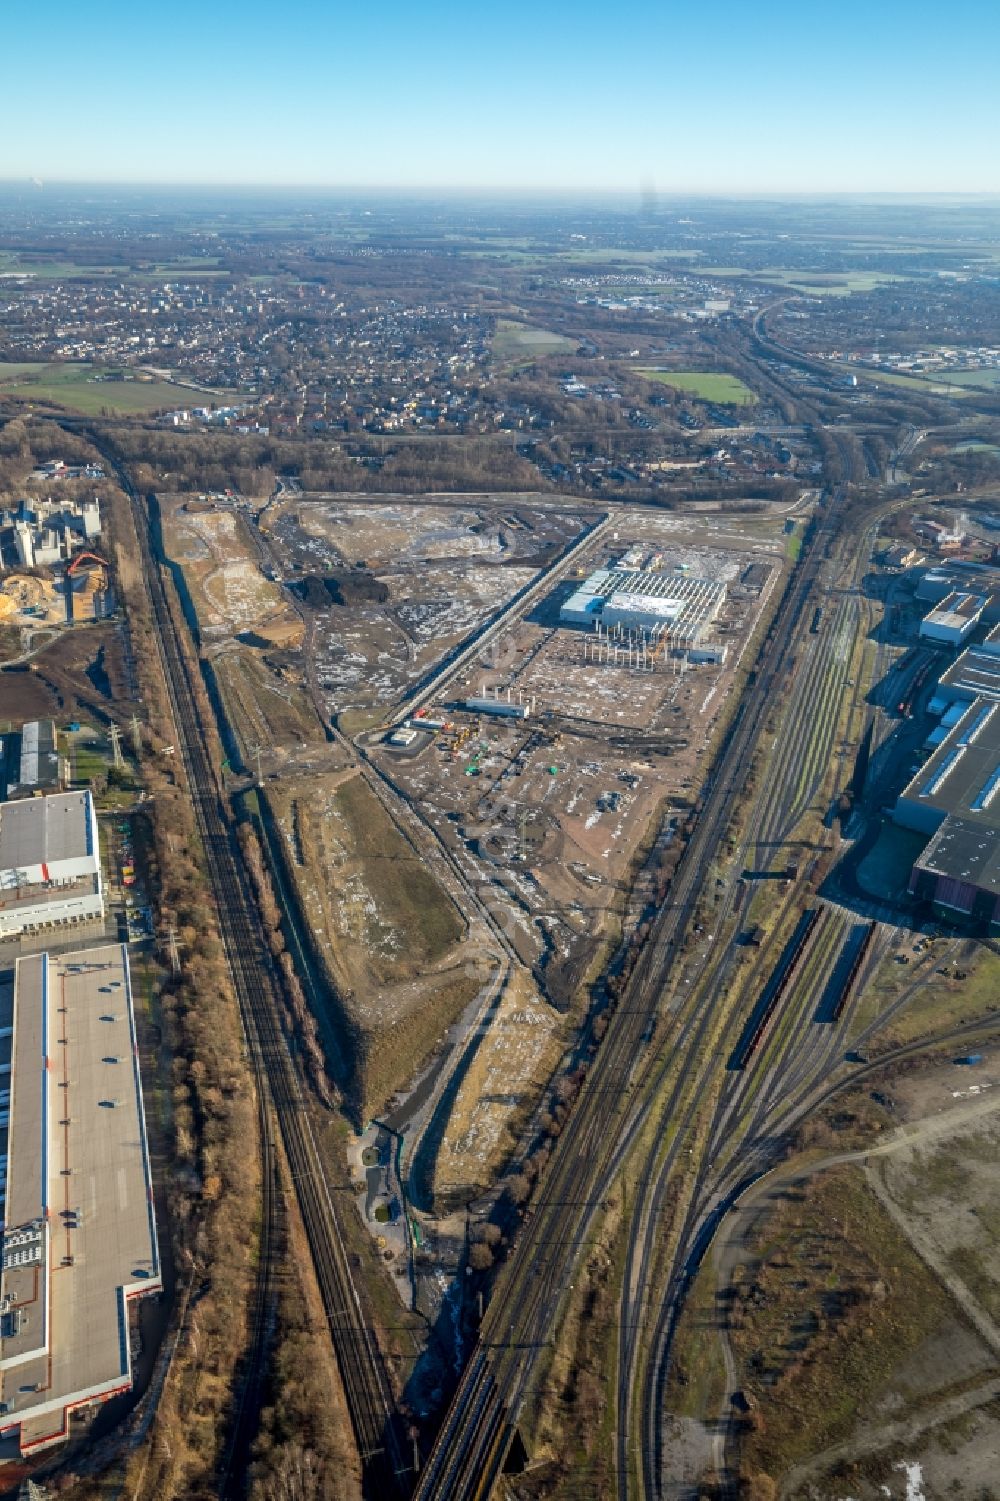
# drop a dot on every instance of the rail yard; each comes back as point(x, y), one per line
point(539, 800)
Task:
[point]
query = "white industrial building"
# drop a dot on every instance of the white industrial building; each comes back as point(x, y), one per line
point(79, 1227)
point(975, 673)
point(41, 533)
point(954, 619)
point(503, 707)
point(50, 863)
point(954, 799)
point(945, 578)
point(655, 604)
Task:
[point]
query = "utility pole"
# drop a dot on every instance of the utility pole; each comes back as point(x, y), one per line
point(260, 776)
point(116, 747)
point(136, 736)
point(172, 950)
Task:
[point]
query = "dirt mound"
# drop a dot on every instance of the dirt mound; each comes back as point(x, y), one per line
point(345, 587)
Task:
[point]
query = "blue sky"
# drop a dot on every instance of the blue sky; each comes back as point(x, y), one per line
point(788, 95)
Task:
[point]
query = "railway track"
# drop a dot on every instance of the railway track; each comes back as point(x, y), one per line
point(604, 1124)
point(365, 1381)
point(376, 1426)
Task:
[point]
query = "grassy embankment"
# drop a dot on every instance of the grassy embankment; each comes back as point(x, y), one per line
point(387, 933)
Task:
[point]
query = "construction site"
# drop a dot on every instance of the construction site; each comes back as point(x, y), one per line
point(388, 589)
point(534, 691)
point(548, 759)
point(80, 591)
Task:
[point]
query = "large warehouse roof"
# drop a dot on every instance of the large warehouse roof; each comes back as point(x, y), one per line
point(675, 602)
point(958, 778)
point(974, 674)
point(976, 578)
point(79, 1231)
point(955, 797)
point(46, 831)
point(967, 851)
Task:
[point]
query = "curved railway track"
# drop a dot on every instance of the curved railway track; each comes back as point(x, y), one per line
point(377, 1428)
point(604, 1124)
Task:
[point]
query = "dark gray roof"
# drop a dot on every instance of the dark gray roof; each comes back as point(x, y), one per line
point(975, 671)
point(966, 850)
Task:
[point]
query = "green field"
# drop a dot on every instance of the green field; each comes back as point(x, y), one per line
point(75, 387)
point(518, 342)
point(808, 283)
point(935, 384)
point(976, 380)
point(56, 268)
point(706, 385)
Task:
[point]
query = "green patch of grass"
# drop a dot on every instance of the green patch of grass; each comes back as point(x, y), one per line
point(519, 342)
point(808, 283)
point(697, 1382)
point(928, 383)
point(977, 380)
point(78, 388)
point(61, 268)
point(946, 1002)
point(706, 385)
point(407, 896)
point(87, 761)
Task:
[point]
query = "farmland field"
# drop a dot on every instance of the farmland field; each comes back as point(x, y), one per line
point(517, 341)
point(706, 385)
point(75, 387)
point(977, 380)
point(809, 283)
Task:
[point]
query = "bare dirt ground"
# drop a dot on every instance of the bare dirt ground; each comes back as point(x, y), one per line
point(82, 674)
point(266, 704)
point(879, 1392)
point(510, 1067)
point(410, 581)
point(222, 566)
point(551, 811)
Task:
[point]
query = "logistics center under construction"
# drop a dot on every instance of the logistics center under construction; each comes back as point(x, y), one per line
point(672, 606)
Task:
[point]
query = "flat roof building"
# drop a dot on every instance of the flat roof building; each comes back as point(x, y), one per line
point(954, 619)
point(673, 604)
point(972, 578)
point(30, 762)
point(901, 556)
point(50, 863)
point(79, 1229)
point(955, 798)
point(973, 674)
point(500, 706)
